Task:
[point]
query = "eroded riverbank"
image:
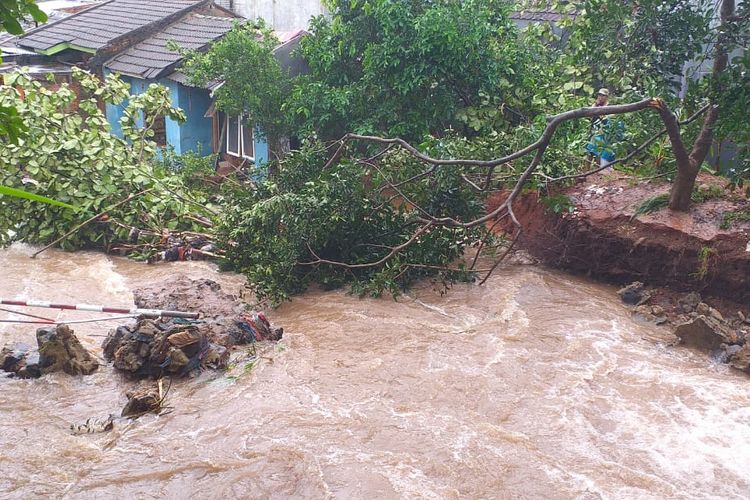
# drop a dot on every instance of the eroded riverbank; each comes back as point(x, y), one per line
point(536, 385)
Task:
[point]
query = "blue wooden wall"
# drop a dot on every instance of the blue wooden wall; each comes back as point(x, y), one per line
point(192, 135)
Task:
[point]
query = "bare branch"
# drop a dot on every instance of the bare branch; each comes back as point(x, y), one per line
point(394, 251)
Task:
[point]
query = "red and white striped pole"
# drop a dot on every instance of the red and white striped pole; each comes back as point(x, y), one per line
point(151, 313)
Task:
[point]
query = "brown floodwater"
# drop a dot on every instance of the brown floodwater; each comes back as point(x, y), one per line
point(537, 385)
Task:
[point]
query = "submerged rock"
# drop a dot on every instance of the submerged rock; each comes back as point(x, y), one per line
point(705, 333)
point(634, 294)
point(740, 358)
point(142, 402)
point(31, 367)
point(12, 358)
point(652, 314)
point(60, 350)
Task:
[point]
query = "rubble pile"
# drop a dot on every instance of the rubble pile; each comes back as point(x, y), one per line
point(175, 346)
point(695, 324)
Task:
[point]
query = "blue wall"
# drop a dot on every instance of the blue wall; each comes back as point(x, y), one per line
point(114, 113)
point(192, 135)
point(260, 146)
point(195, 133)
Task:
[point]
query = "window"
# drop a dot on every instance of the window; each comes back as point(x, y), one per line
point(233, 136)
point(239, 138)
point(159, 128)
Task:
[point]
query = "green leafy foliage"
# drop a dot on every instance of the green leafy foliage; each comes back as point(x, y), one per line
point(254, 84)
point(12, 12)
point(68, 154)
point(406, 68)
point(281, 234)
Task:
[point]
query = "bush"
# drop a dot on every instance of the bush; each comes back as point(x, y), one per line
point(286, 235)
point(68, 154)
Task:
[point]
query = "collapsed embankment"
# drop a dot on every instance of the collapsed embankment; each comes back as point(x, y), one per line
point(597, 233)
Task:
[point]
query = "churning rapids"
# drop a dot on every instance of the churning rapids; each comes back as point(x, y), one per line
point(537, 385)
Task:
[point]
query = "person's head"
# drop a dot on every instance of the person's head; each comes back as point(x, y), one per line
point(602, 97)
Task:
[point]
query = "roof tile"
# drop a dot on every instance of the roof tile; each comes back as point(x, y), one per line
point(149, 58)
point(99, 25)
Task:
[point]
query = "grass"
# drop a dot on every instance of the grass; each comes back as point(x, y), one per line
point(729, 218)
point(661, 201)
point(652, 205)
point(704, 256)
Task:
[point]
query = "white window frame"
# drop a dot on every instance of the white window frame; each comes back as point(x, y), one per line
point(242, 153)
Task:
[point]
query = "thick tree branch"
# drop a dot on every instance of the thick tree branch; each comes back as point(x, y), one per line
point(635, 152)
point(556, 119)
point(506, 208)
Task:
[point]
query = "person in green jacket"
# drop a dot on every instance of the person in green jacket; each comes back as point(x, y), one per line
point(603, 133)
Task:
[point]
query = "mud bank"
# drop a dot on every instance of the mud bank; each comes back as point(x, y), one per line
point(597, 233)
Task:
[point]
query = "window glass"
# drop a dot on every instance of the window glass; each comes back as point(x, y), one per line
point(247, 141)
point(233, 136)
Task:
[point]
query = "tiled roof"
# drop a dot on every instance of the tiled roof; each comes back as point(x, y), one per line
point(7, 39)
point(94, 28)
point(149, 58)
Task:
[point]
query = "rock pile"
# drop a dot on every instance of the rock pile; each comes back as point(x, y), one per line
point(696, 324)
point(58, 350)
point(152, 348)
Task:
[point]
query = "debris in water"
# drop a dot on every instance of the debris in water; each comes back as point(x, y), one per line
point(178, 346)
point(146, 400)
point(91, 426)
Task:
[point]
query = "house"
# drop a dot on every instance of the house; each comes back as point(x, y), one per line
point(239, 142)
point(151, 61)
point(131, 38)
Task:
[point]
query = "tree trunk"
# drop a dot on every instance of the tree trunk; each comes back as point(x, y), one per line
point(682, 189)
point(688, 168)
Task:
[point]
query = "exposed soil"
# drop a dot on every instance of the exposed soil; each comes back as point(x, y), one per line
point(601, 237)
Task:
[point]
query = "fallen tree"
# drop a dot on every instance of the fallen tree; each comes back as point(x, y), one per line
point(380, 212)
point(328, 203)
point(111, 192)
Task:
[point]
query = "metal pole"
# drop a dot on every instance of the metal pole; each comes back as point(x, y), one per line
point(151, 313)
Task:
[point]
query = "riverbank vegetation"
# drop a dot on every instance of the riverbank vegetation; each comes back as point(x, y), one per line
point(412, 115)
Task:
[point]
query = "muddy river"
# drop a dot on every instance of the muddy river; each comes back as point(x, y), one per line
point(537, 385)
